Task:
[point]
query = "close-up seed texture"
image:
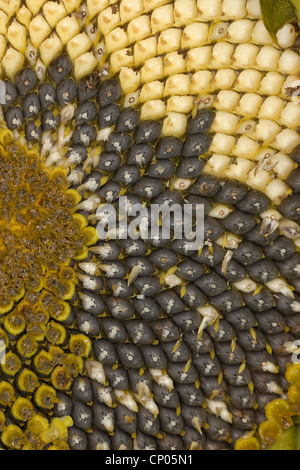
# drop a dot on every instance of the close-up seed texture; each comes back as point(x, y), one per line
point(148, 342)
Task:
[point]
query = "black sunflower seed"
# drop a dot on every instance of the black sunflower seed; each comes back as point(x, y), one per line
point(11, 94)
point(195, 145)
point(208, 366)
point(201, 123)
point(105, 351)
point(247, 253)
point(85, 112)
point(82, 390)
point(25, 81)
point(170, 421)
point(128, 120)
point(294, 180)
point(113, 330)
point(139, 332)
point(231, 192)
point(31, 105)
point(60, 67)
point(33, 132)
point(109, 162)
point(98, 440)
point(254, 202)
point(290, 207)
point(211, 284)
point(164, 397)
point(77, 439)
point(14, 117)
point(109, 92)
point(263, 271)
point(147, 309)
point(238, 222)
point(206, 186)
point(117, 377)
point(168, 147)
point(148, 131)
point(88, 87)
point(260, 302)
point(108, 115)
point(130, 356)
point(82, 415)
point(154, 357)
point(121, 439)
point(190, 167)
point(281, 249)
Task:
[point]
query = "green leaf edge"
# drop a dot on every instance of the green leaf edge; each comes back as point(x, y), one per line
point(292, 14)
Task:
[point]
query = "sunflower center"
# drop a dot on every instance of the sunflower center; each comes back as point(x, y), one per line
point(38, 231)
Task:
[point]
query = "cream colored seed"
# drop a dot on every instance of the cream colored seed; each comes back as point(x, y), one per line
point(217, 165)
point(121, 58)
point(246, 147)
point(199, 58)
point(226, 100)
point(67, 28)
point(271, 84)
point(108, 20)
point(268, 58)
point(225, 79)
point(253, 8)
point(153, 109)
point(201, 82)
point(174, 63)
point(174, 125)
point(245, 55)
point(271, 108)
point(234, 9)
point(223, 144)
point(260, 34)
point(96, 6)
point(240, 31)
point(84, 65)
point(289, 63)
point(222, 55)
point(152, 91)
point(145, 50)
point(180, 104)
point(54, 12)
point(130, 9)
point(138, 29)
point(286, 141)
point(162, 18)
point(34, 6)
point(266, 131)
point(78, 45)
point(240, 169)
point(17, 36)
point(284, 165)
point(50, 48)
point(194, 35)
point(12, 61)
point(185, 11)
point(115, 40)
point(249, 104)
point(38, 29)
point(3, 22)
point(179, 84)
point(277, 191)
point(209, 10)
point(225, 123)
point(169, 41)
point(153, 70)
point(130, 79)
point(248, 81)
